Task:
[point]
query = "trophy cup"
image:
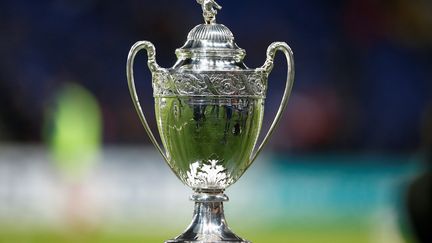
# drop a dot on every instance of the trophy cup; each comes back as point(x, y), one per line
point(209, 109)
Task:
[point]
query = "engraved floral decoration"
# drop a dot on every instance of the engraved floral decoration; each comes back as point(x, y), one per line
point(209, 175)
point(229, 84)
point(256, 84)
point(244, 84)
point(162, 84)
point(190, 84)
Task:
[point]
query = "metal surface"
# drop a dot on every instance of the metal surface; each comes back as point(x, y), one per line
point(209, 109)
point(268, 66)
point(209, 8)
point(208, 221)
point(151, 52)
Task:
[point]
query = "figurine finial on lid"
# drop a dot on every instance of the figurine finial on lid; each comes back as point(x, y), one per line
point(209, 8)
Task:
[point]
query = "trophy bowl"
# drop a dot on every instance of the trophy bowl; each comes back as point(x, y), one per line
point(209, 140)
point(209, 110)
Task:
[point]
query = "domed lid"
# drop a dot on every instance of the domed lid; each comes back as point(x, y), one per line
point(209, 43)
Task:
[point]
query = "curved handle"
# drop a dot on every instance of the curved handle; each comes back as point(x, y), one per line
point(153, 66)
point(268, 66)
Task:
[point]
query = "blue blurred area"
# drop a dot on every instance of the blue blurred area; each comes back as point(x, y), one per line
point(363, 79)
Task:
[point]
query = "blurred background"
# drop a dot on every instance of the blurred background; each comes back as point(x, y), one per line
point(76, 164)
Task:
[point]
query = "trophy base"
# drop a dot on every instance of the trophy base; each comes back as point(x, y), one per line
point(208, 223)
point(200, 241)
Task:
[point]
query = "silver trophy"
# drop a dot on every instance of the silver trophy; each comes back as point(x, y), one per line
point(209, 109)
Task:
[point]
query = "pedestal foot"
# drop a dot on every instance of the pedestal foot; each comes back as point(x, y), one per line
point(208, 223)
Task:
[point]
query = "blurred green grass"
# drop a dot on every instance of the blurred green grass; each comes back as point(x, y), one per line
point(309, 234)
point(312, 230)
point(334, 236)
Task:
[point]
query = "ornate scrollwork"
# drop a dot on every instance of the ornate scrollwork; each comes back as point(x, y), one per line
point(162, 84)
point(257, 83)
point(223, 84)
point(190, 84)
point(228, 84)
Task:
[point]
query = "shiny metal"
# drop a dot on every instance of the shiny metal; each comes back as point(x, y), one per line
point(153, 66)
point(268, 66)
point(209, 109)
point(208, 223)
point(209, 8)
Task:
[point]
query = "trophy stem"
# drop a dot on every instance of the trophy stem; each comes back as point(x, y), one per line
point(208, 222)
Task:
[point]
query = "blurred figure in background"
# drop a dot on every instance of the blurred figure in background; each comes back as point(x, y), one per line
point(419, 202)
point(73, 134)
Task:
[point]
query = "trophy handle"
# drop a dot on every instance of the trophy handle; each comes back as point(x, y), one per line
point(153, 66)
point(267, 67)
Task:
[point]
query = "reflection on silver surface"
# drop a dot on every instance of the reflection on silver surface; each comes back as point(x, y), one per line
point(208, 225)
point(209, 110)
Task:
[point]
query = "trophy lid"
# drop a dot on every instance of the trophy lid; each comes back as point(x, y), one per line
point(210, 45)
